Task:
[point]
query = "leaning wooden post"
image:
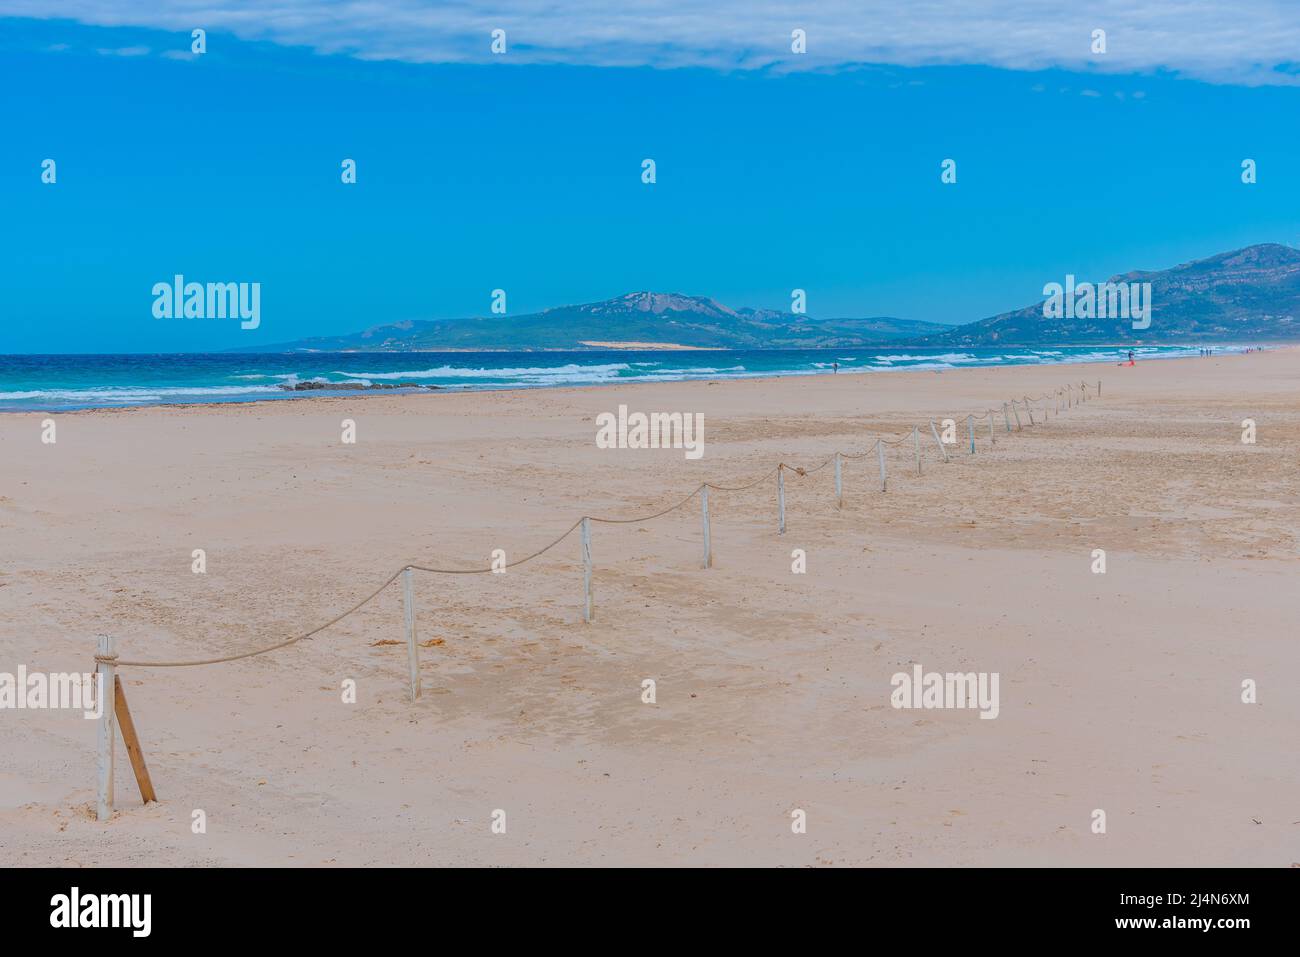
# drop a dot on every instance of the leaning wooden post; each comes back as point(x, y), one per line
point(1019, 427)
point(132, 742)
point(880, 449)
point(106, 674)
point(780, 499)
point(938, 441)
point(586, 568)
point(916, 440)
point(839, 483)
point(970, 430)
point(704, 510)
point(992, 441)
point(1029, 407)
point(1006, 418)
point(412, 649)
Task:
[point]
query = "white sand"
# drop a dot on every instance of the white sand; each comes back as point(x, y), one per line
point(1118, 691)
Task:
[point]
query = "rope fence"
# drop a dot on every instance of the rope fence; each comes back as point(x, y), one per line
point(107, 661)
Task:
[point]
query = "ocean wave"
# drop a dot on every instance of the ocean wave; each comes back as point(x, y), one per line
point(135, 393)
point(525, 372)
point(83, 382)
point(944, 357)
point(700, 370)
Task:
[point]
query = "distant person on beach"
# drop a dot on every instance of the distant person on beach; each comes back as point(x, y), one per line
point(1130, 357)
point(835, 367)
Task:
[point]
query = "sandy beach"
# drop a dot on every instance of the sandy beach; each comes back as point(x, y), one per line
point(1119, 691)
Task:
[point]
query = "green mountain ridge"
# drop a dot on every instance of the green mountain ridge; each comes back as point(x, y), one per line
point(1246, 295)
point(1249, 294)
point(694, 321)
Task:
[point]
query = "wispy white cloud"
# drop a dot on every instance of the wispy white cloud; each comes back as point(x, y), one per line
point(123, 51)
point(1248, 41)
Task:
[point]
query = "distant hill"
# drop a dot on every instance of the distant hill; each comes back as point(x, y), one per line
point(648, 317)
point(1250, 294)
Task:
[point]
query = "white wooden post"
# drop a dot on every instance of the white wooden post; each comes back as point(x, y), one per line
point(992, 441)
point(938, 441)
point(412, 649)
point(839, 483)
point(106, 738)
point(1029, 407)
point(586, 568)
point(970, 430)
point(1099, 387)
point(780, 499)
point(880, 449)
point(916, 440)
point(1019, 427)
point(1006, 418)
point(708, 545)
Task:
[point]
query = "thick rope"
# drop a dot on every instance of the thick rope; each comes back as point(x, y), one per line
point(489, 568)
point(645, 518)
point(260, 651)
point(113, 659)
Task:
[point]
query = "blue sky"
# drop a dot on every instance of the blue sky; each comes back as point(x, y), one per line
point(523, 172)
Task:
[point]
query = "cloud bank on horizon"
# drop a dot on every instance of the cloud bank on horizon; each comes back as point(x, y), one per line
point(1251, 42)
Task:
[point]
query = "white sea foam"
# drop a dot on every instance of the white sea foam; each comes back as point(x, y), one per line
point(943, 357)
point(605, 371)
point(246, 383)
point(134, 394)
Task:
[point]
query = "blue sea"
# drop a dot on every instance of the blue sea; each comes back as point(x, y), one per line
point(61, 382)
